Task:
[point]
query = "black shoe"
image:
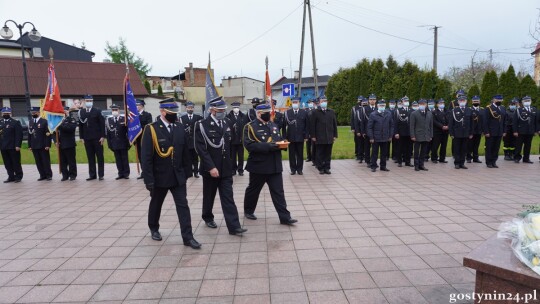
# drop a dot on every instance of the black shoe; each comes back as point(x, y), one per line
point(469, 161)
point(327, 171)
point(490, 166)
point(233, 173)
point(434, 161)
point(527, 162)
point(508, 157)
point(373, 169)
point(64, 179)
point(17, 181)
point(49, 178)
point(126, 177)
point(293, 172)
point(8, 181)
point(463, 167)
point(72, 178)
point(300, 173)
point(237, 231)
point(457, 166)
point(288, 221)
point(140, 177)
point(196, 175)
point(409, 165)
point(321, 172)
point(41, 179)
point(424, 169)
point(495, 166)
point(416, 169)
point(516, 161)
point(241, 173)
point(308, 160)
point(101, 178)
point(477, 161)
point(193, 244)
point(156, 236)
point(384, 169)
point(250, 216)
point(399, 165)
point(211, 224)
point(443, 161)
point(361, 161)
point(117, 178)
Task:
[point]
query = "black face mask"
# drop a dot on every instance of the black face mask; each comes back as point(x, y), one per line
point(190, 112)
point(476, 104)
point(498, 103)
point(35, 115)
point(6, 116)
point(171, 117)
point(265, 116)
point(254, 106)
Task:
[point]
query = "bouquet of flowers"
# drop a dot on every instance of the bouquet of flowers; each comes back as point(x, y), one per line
point(525, 235)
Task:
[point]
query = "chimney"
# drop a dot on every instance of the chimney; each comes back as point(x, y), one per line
point(296, 74)
point(191, 74)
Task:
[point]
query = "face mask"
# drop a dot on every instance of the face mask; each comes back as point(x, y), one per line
point(392, 106)
point(512, 108)
point(400, 106)
point(462, 104)
point(6, 116)
point(115, 113)
point(89, 104)
point(421, 108)
point(324, 104)
point(431, 107)
point(405, 103)
point(35, 115)
point(236, 110)
point(441, 107)
point(220, 115)
point(498, 103)
point(295, 106)
point(381, 109)
point(265, 116)
point(476, 104)
point(310, 105)
point(171, 117)
point(415, 108)
point(190, 112)
point(527, 103)
point(254, 106)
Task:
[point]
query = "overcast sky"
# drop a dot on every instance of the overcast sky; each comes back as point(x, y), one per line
point(240, 33)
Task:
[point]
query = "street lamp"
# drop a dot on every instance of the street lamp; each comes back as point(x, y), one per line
point(35, 36)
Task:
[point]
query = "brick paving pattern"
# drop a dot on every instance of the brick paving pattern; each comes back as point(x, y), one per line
point(362, 237)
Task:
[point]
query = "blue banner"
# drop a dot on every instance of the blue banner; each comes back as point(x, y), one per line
point(132, 114)
point(211, 91)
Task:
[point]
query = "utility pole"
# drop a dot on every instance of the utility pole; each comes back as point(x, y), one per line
point(490, 56)
point(307, 7)
point(435, 42)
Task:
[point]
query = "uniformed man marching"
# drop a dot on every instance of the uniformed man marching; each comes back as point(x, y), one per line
point(92, 134)
point(474, 143)
point(213, 143)
point(117, 140)
point(166, 167)
point(66, 144)
point(264, 165)
point(509, 139)
point(144, 118)
point(524, 127)
point(189, 120)
point(402, 134)
point(460, 129)
point(494, 121)
point(297, 134)
point(11, 137)
point(39, 142)
point(237, 120)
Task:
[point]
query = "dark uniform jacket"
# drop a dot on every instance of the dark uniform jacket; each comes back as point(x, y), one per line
point(354, 116)
point(460, 122)
point(145, 118)
point(213, 145)
point(476, 120)
point(279, 120)
point(297, 127)
point(237, 126)
point(524, 122)
point(117, 133)
point(92, 124)
point(264, 156)
point(38, 134)
point(509, 120)
point(66, 133)
point(170, 171)
point(358, 119)
point(493, 120)
point(251, 115)
point(440, 119)
point(189, 126)
point(308, 121)
point(421, 125)
point(11, 134)
point(380, 126)
point(402, 125)
point(365, 117)
point(323, 126)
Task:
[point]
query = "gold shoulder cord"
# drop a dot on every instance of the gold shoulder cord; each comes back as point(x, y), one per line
point(498, 117)
point(255, 138)
point(170, 150)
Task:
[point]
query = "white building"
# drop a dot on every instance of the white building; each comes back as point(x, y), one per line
point(241, 89)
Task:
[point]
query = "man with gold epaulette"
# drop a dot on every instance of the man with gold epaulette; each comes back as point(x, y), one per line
point(117, 139)
point(474, 143)
point(39, 142)
point(460, 126)
point(166, 167)
point(493, 122)
point(264, 165)
point(524, 127)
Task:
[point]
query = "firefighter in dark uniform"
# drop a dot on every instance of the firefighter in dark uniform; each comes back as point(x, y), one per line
point(460, 129)
point(509, 140)
point(324, 126)
point(380, 129)
point(296, 134)
point(144, 118)
point(39, 142)
point(189, 120)
point(359, 153)
point(213, 143)
point(524, 127)
point(67, 145)
point(367, 110)
point(166, 167)
point(494, 129)
point(264, 165)
point(11, 137)
point(309, 148)
point(440, 133)
point(391, 153)
point(237, 120)
point(474, 143)
point(252, 113)
point(402, 133)
point(92, 134)
point(314, 154)
point(431, 109)
point(117, 140)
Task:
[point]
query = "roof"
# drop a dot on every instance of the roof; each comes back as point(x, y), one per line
point(62, 51)
point(306, 81)
point(75, 78)
point(10, 44)
point(537, 49)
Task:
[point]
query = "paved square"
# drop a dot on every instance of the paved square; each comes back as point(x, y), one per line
point(362, 237)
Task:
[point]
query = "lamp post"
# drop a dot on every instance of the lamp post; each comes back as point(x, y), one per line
point(35, 36)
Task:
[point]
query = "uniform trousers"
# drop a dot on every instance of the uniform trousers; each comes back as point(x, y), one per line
point(523, 142)
point(43, 162)
point(404, 149)
point(383, 148)
point(493, 143)
point(472, 147)
point(324, 156)
point(237, 155)
point(296, 156)
point(308, 150)
point(438, 146)
point(367, 149)
point(122, 162)
point(225, 186)
point(68, 163)
point(94, 150)
point(12, 163)
point(275, 185)
point(194, 161)
point(182, 209)
point(459, 148)
point(420, 150)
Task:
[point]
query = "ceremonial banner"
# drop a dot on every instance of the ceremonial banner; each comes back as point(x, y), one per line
point(52, 105)
point(132, 113)
point(211, 91)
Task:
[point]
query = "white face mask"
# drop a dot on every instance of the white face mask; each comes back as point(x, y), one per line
point(392, 106)
point(381, 109)
point(405, 103)
point(236, 110)
point(88, 104)
point(441, 107)
point(115, 113)
point(415, 108)
point(295, 106)
point(527, 103)
point(462, 104)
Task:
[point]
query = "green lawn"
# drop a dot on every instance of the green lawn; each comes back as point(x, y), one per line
point(343, 149)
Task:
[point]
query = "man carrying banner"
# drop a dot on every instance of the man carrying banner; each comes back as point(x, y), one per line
point(117, 140)
point(144, 118)
point(66, 144)
point(39, 142)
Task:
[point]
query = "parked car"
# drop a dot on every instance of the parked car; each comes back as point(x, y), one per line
point(24, 124)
